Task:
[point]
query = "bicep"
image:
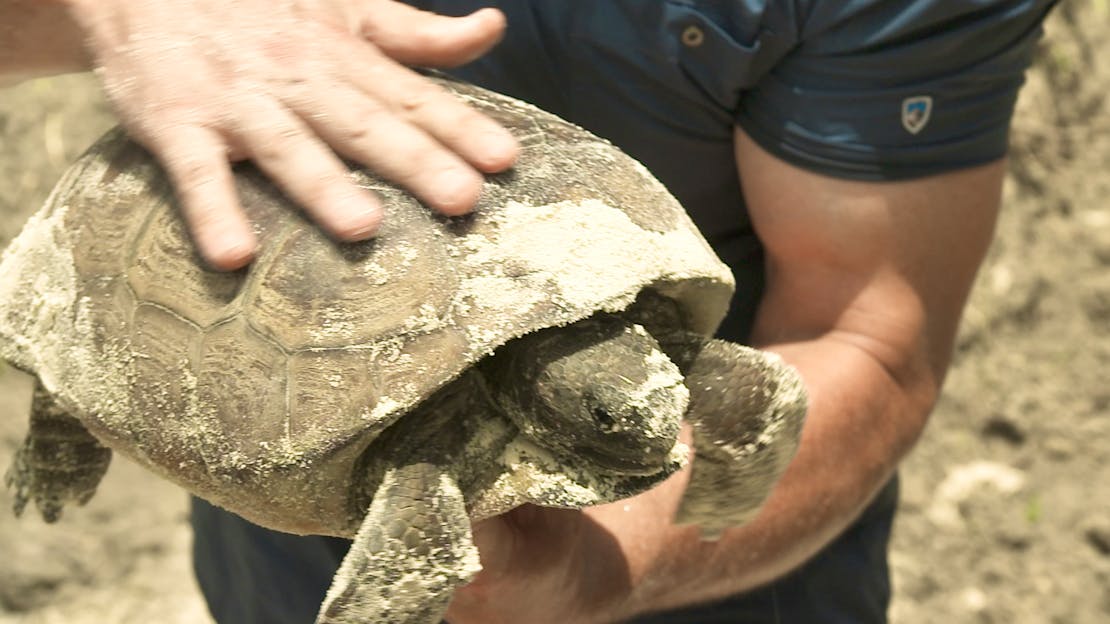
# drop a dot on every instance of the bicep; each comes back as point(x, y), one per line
point(884, 267)
point(880, 248)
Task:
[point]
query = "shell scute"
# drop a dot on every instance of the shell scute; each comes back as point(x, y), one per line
point(332, 393)
point(162, 345)
point(101, 238)
point(263, 205)
point(109, 217)
point(241, 377)
point(167, 271)
point(424, 362)
point(317, 294)
point(113, 305)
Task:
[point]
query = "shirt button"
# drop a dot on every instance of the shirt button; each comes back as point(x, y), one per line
point(692, 36)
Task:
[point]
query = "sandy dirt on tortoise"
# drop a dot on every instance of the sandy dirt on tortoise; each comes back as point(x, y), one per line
point(1006, 502)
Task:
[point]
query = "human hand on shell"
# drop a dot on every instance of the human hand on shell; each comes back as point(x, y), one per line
point(293, 86)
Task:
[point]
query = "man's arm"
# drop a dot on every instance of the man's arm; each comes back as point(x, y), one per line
point(38, 38)
point(866, 283)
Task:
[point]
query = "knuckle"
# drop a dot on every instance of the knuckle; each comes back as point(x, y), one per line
point(358, 128)
point(355, 133)
point(279, 47)
point(414, 166)
point(191, 172)
point(464, 121)
point(315, 189)
point(417, 100)
point(278, 143)
point(205, 218)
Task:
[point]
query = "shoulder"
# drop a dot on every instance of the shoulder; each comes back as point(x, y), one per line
point(890, 89)
point(881, 26)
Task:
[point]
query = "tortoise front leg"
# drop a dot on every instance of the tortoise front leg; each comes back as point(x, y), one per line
point(413, 549)
point(746, 410)
point(59, 462)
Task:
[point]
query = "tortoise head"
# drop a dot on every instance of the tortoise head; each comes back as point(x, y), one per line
point(599, 391)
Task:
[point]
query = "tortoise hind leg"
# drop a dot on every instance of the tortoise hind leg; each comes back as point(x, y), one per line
point(59, 462)
point(413, 549)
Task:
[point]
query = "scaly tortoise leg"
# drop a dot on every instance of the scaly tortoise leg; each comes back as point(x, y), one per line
point(59, 462)
point(413, 549)
point(746, 411)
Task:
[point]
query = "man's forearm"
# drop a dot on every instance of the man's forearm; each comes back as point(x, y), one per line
point(862, 421)
point(38, 38)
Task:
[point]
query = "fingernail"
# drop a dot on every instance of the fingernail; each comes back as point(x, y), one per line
point(501, 147)
point(232, 253)
point(362, 221)
point(457, 191)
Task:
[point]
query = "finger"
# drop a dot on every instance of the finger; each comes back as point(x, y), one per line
point(195, 161)
point(372, 135)
point(477, 139)
point(283, 147)
point(416, 37)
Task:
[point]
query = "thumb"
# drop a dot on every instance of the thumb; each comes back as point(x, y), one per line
point(525, 541)
point(414, 37)
point(495, 538)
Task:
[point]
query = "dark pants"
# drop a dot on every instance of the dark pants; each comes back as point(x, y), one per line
point(251, 575)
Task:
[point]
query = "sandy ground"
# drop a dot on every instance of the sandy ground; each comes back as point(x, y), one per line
point(1006, 502)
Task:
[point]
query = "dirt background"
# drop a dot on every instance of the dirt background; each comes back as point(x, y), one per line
point(1006, 502)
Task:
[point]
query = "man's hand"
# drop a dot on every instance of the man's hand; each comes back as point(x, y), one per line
point(288, 85)
point(559, 566)
point(602, 564)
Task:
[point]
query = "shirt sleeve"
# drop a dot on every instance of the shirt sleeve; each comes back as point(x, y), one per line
point(895, 89)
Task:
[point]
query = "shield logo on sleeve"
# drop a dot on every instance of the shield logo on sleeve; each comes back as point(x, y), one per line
point(915, 112)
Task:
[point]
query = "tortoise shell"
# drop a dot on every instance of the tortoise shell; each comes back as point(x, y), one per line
point(258, 389)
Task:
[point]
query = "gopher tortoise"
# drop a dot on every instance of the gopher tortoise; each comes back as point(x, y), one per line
point(542, 350)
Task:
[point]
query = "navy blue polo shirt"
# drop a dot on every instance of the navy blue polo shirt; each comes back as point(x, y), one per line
point(860, 89)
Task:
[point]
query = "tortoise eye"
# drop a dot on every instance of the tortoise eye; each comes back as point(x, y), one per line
point(604, 419)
